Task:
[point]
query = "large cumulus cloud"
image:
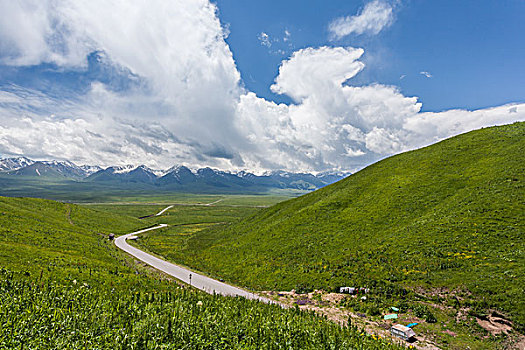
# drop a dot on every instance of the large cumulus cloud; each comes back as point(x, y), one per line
point(176, 48)
point(186, 104)
point(339, 126)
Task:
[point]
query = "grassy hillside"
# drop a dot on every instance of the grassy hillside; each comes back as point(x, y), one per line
point(448, 218)
point(60, 240)
point(63, 285)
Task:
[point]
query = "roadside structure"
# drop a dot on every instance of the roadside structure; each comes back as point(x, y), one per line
point(390, 317)
point(403, 332)
point(353, 290)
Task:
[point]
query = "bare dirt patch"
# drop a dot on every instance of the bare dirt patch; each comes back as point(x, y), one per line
point(443, 292)
point(520, 343)
point(495, 325)
point(68, 214)
point(449, 332)
point(327, 304)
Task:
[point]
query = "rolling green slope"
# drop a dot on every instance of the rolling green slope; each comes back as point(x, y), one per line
point(63, 285)
point(450, 216)
point(60, 241)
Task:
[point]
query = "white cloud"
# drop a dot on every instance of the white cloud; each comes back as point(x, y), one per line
point(426, 74)
point(287, 35)
point(375, 16)
point(331, 122)
point(350, 152)
point(307, 73)
point(176, 48)
point(384, 141)
point(189, 106)
point(78, 132)
point(335, 125)
point(35, 33)
point(276, 45)
point(265, 39)
point(426, 128)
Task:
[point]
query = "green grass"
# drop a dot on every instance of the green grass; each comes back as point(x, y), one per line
point(184, 221)
point(450, 215)
point(39, 235)
point(273, 197)
point(66, 190)
point(63, 285)
point(202, 214)
point(132, 210)
point(35, 315)
point(92, 192)
point(180, 214)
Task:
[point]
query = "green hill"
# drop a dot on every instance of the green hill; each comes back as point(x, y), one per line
point(447, 219)
point(63, 285)
point(60, 241)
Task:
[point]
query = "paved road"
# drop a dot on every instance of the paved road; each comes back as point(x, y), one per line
point(198, 281)
point(212, 203)
point(163, 210)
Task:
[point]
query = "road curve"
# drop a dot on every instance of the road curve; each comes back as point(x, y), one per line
point(163, 210)
point(204, 283)
point(212, 203)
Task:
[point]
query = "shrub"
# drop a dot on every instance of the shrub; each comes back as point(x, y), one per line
point(424, 312)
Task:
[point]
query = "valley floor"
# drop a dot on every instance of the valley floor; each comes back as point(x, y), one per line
point(64, 285)
point(446, 332)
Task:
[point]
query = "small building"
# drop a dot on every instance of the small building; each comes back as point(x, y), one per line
point(348, 290)
point(390, 317)
point(111, 236)
point(403, 332)
point(353, 290)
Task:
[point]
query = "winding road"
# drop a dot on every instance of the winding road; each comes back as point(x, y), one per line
point(192, 278)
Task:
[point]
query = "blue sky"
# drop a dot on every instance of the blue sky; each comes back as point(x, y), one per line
point(475, 50)
point(245, 85)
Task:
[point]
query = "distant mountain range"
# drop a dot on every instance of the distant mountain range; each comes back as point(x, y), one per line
point(176, 178)
point(23, 166)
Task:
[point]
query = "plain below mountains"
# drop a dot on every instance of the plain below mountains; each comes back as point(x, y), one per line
point(179, 178)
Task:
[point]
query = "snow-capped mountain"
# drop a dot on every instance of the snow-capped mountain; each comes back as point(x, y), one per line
point(90, 169)
point(8, 164)
point(66, 168)
point(178, 175)
point(176, 178)
point(332, 176)
point(128, 173)
point(244, 174)
point(23, 166)
point(121, 169)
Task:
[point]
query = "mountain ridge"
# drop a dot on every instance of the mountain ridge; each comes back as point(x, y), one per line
point(178, 177)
